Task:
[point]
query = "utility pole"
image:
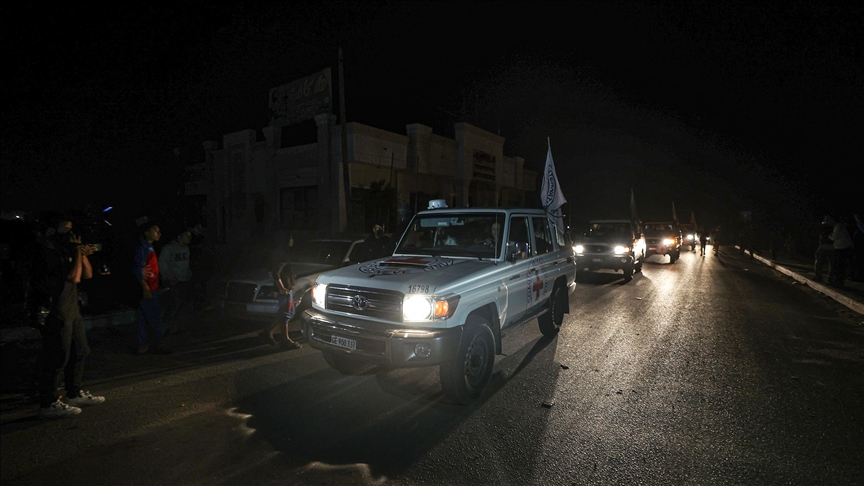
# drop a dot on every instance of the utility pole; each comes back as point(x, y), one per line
point(346, 179)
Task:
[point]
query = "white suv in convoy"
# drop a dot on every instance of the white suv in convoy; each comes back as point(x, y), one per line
point(613, 244)
point(457, 279)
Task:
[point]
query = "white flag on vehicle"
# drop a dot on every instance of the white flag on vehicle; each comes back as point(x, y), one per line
point(550, 191)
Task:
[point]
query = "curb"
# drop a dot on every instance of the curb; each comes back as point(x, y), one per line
point(847, 301)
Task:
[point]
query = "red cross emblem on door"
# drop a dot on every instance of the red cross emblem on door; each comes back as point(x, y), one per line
point(537, 285)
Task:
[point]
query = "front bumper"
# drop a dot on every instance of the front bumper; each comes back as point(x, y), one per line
point(379, 343)
point(599, 261)
point(660, 250)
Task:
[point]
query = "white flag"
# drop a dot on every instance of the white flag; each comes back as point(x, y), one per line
point(550, 192)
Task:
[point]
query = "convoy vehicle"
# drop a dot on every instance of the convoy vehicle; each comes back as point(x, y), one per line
point(689, 235)
point(456, 281)
point(611, 244)
point(663, 238)
point(253, 293)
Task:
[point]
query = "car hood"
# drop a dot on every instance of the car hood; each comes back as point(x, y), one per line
point(587, 240)
point(440, 274)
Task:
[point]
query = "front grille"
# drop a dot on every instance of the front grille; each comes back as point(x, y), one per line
point(597, 249)
point(240, 292)
point(382, 304)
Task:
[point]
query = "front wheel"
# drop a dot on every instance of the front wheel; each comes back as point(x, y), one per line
point(465, 375)
point(550, 322)
point(628, 273)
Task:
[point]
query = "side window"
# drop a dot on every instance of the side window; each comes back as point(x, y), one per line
point(543, 238)
point(519, 241)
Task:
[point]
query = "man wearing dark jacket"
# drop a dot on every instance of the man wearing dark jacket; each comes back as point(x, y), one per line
point(64, 339)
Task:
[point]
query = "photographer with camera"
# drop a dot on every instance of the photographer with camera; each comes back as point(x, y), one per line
point(58, 318)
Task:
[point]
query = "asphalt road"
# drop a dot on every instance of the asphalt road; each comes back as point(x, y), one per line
point(714, 370)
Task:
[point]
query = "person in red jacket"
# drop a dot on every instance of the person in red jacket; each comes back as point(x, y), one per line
point(147, 272)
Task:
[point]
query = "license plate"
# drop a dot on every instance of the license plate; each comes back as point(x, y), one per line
point(343, 342)
point(599, 260)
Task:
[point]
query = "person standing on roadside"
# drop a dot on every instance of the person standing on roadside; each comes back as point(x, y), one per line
point(842, 252)
point(376, 245)
point(715, 239)
point(64, 339)
point(175, 272)
point(284, 280)
point(858, 249)
point(703, 240)
point(824, 252)
point(147, 272)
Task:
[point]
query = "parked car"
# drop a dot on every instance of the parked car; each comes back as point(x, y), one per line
point(254, 294)
point(663, 238)
point(613, 244)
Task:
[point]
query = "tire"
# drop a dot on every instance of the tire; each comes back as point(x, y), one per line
point(347, 366)
point(465, 375)
point(628, 273)
point(550, 322)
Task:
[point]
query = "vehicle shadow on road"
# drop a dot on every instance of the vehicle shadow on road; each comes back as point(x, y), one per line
point(346, 421)
point(600, 278)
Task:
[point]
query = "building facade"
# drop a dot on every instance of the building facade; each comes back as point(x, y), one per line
point(252, 188)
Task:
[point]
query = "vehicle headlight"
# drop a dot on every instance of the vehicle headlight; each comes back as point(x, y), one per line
point(620, 250)
point(416, 308)
point(579, 249)
point(668, 241)
point(424, 308)
point(319, 295)
point(689, 237)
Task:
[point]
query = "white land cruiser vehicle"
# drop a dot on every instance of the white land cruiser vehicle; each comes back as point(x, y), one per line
point(457, 278)
point(615, 244)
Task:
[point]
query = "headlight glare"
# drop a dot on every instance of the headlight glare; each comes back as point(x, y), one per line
point(319, 295)
point(579, 249)
point(416, 308)
point(620, 250)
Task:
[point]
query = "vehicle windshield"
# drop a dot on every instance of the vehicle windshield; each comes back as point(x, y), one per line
point(659, 228)
point(465, 234)
point(609, 230)
point(321, 252)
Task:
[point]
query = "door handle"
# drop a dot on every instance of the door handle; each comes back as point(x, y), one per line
point(514, 277)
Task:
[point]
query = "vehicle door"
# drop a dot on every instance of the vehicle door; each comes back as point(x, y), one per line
point(546, 264)
point(518, 251)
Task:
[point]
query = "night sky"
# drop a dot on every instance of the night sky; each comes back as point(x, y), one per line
point(720, 107)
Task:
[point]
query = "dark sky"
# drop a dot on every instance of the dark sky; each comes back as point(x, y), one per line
point(719, 106)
